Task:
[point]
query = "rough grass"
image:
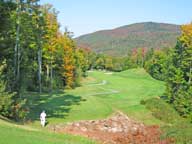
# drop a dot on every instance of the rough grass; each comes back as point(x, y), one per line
point(162, 110)
point(175, 127)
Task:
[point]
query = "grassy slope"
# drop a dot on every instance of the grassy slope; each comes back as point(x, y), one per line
point(15, 134)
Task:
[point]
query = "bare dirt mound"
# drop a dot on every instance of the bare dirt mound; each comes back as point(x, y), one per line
point(118, 129)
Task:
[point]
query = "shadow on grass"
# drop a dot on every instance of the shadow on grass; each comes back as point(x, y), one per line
point(6, 119)
point(57, 105)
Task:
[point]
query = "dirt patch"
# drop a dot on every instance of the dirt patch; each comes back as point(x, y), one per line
point(118, 129)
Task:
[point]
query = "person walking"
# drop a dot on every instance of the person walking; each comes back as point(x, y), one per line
point(43, 118)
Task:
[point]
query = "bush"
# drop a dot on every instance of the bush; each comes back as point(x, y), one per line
point(11, 106)
point(6, 101)
point(20, 110)
point(142, 102)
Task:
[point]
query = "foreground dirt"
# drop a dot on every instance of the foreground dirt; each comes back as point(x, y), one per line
point(118, 129)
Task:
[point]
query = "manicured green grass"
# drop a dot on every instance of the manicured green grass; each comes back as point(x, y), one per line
point(99, 96)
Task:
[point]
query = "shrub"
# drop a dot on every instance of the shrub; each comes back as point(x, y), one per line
point(11, 106)
point(6, 101)
point(20, 110)
point(142, 102)
point(162, 110)
point(177, 128)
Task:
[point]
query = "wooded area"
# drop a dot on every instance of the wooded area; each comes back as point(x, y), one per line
point(35, 55)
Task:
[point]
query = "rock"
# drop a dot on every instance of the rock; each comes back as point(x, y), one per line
point(118, 129)
point(84, 129)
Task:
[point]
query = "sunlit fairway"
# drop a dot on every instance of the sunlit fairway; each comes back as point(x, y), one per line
point(100, 95)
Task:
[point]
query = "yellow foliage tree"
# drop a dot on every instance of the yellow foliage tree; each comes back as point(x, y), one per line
point(67, 48)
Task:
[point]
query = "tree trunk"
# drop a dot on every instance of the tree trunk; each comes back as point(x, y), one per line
point(39, 68)
point(47, 71)
point(39, 51)
point(190, 72)
point(51, 77)
point(17, 51)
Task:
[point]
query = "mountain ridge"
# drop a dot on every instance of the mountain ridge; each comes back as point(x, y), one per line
point(119, 40)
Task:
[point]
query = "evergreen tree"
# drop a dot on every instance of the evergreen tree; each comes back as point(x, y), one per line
point(156, 65)
point(179, 73)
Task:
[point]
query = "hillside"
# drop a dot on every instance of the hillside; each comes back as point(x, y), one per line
point(140, 35)
point(21, 134)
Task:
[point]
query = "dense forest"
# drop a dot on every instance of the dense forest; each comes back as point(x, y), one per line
point(35, 56)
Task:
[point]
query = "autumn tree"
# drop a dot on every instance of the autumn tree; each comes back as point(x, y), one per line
point(50, 44)
point(67, 47)
point(109, 63)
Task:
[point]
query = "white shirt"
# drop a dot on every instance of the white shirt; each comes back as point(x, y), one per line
point(43, 115)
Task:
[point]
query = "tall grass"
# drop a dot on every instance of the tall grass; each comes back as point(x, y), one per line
point(175, 126)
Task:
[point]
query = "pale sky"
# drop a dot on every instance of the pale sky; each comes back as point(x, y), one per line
point(86, 16)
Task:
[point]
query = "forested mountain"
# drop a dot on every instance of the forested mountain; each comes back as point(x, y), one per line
point(118, 41)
